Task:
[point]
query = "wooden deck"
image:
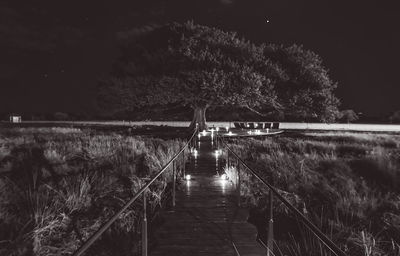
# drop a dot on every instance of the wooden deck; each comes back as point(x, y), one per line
point(206, 220)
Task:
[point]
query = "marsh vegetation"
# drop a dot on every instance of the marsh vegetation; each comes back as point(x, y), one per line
point(58, 185)
point(347, 183)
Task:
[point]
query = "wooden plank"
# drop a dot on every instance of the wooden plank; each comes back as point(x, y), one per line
point(206, 220)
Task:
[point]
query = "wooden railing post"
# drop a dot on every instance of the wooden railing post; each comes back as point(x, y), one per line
point(144, 226)
point(173, 182)
point(270, 238)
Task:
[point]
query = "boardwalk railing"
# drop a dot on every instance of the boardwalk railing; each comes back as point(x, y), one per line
point(274, 193)
point(142, 192)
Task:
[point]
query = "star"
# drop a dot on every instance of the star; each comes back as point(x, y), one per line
point(267, 21)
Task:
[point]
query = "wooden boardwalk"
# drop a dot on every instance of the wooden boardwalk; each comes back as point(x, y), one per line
point(206, 220)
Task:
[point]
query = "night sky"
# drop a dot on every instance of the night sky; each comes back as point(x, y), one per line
point(52, 53)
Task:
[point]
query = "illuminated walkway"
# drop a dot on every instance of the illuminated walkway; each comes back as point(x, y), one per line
point(206, 220)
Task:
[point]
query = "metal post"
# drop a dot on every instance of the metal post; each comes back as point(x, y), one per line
point(227, 157)
point(196, 138)
point(144, 227)
point(183, 164)
point(270, 239)
point(173, 183)
point(238, 180)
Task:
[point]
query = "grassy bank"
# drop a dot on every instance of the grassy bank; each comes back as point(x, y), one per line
point(58, 185)
point(348, 184)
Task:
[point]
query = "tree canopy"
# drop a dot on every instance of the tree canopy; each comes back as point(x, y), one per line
point(348, 116)
point(201, 67)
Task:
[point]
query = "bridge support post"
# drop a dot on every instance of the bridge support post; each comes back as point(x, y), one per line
point(216, 140)
point(227, 158)
point(270, 238)
point(144, 226)
point(183, 164)
point(196, 138)
point(238, 181)
point(173, 182)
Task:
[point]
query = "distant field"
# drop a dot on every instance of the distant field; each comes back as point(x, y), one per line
point(283, 125)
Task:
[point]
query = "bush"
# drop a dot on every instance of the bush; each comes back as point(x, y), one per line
point(60, 116)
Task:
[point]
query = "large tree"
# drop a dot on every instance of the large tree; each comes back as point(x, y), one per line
point(200, 67)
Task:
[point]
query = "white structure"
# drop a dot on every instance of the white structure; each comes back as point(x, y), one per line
point(15, 119)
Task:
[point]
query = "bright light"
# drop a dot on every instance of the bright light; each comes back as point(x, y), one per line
point(267, 130)
point(227, 128)
point(223, 185)
point(195, 152)
point(249, 132)
point(188, 177)
point(217, 129)
point(199, 135)
point(224, 176)
point(257, 131)
point(255, 125)
point(230, 133)
point(217, 153)
point(204, 132)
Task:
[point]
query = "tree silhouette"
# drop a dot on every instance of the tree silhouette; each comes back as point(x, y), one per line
point(348, 116)
point(395, 117)
point(201, 67)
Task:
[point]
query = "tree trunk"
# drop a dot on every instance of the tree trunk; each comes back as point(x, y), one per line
point(199, 117)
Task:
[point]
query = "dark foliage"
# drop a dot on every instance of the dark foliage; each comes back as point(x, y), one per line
point(201, 67)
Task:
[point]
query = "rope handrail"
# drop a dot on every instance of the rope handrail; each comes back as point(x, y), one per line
point(107, 224)
point(315, 230)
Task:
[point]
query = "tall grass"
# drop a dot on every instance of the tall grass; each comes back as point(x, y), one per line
point(57, 186)
point(347, 183)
